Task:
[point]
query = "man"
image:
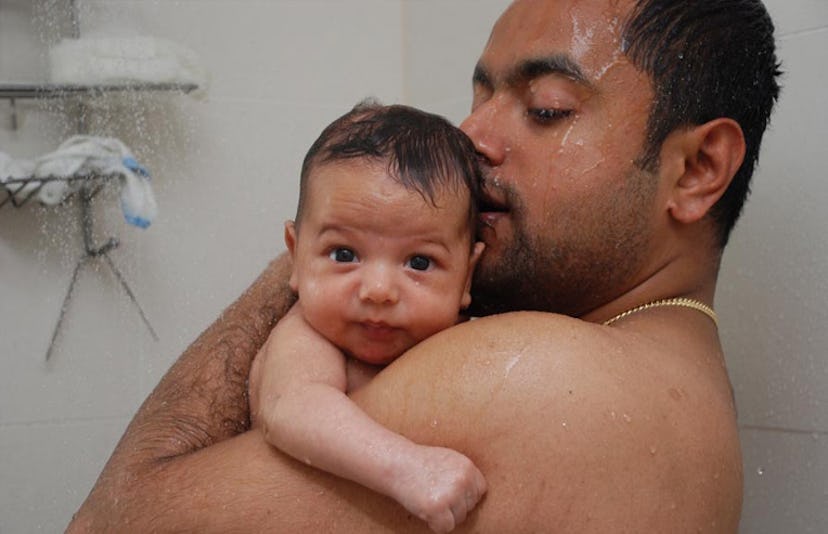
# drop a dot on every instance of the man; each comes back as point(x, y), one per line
point(620, 138)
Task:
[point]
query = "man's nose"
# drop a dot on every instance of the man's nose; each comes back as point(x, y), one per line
point(485, 127)
point(379, 285)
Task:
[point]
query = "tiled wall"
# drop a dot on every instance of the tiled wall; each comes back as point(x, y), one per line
point(225, 175)
point(225, 172)
point(773, 290)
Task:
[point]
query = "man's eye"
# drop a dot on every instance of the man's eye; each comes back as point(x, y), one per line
point(343, 255)
point(548, 115)
point(419, 263)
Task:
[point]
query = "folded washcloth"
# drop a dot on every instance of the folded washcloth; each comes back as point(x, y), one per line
point(142, 59)
point(17, 169)
point(88, 155)
point(14, 169)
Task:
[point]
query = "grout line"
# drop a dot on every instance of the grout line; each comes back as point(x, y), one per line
point(801, 33)
point(783, 430)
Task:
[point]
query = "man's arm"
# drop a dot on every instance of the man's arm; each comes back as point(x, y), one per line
point(202, 399)
point(577, 428)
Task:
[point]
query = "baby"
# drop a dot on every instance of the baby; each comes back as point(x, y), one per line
point(383, 252)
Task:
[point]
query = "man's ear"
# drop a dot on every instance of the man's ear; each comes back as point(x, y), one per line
point(290, 242)
point(706, 157)
point(476, 252)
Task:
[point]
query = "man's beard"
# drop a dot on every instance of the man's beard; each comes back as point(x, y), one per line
point(512, 283)
point(588, 261)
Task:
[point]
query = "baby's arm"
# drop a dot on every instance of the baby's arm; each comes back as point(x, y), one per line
point(300, 403)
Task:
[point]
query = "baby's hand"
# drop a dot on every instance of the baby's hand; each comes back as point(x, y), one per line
point(441, 487)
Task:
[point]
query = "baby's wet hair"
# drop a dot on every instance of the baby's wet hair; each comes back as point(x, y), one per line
point(424, 152)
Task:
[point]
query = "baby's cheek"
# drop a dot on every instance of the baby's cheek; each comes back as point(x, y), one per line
point(438, 320)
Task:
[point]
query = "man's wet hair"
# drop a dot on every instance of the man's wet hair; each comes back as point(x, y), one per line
point(707, 59)
point(422, 151)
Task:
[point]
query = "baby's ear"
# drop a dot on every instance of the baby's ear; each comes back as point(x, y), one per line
point(477, 251)
point(290, 242)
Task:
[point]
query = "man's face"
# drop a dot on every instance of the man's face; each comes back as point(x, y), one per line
point(560, 114)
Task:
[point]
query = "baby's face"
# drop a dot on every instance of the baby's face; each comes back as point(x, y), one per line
point(376, 266)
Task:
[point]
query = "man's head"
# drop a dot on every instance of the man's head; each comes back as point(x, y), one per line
point(707, 59)
point(384, 243)
point(595, 173)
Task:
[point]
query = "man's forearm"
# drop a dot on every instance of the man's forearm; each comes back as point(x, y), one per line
point(202, 399)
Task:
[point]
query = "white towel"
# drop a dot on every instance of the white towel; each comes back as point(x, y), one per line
point(142, 59)
point(88, 155)
point(17, 169)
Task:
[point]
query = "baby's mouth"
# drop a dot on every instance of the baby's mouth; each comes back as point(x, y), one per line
point(378, 329)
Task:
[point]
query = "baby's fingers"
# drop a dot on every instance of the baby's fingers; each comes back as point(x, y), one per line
point(443, 522)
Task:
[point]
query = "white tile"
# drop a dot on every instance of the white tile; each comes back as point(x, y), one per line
point(774, 280)
point(786, 483)
point(792, 16)
point(21, 57)
point(48, 470)
point(96, 358)
point(443, 41)
point(327, 52)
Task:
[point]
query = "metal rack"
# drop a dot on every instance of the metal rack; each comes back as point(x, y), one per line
point(90, 186)
point(43, 91)
point(18, 192)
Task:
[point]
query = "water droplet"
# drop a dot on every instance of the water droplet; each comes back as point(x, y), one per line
point(760, 471)
point(653, 450)
point(627, 418)
point(563, 424)
point(433, 423)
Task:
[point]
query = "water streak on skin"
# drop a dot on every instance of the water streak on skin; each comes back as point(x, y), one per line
point(616, 61)
point(566, 135)
point(511, 363)
point(581, 39)
point(594, 166)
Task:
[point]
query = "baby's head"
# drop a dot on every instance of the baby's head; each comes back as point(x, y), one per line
point(423, 152)
point(384, 239)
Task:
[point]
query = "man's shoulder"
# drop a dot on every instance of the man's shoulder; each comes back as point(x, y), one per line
point(537, 340)
point(568, 416)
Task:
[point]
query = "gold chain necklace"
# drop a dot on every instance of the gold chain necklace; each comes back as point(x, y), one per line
point(681, 302)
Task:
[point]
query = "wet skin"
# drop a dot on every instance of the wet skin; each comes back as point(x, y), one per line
point(560, 117)
point(576, 426)
point(377, 267)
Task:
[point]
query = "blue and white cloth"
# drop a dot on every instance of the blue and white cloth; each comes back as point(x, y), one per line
point(86, 155)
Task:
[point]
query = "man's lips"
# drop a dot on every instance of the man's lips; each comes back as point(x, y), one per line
point(491, 209)
point(489, 218)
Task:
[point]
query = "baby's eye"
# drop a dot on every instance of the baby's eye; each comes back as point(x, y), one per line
point(343, 255)
point(419, 263)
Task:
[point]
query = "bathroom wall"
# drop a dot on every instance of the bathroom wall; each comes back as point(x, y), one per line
point(773, 290)
point(225, 173)
point(225, 176)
